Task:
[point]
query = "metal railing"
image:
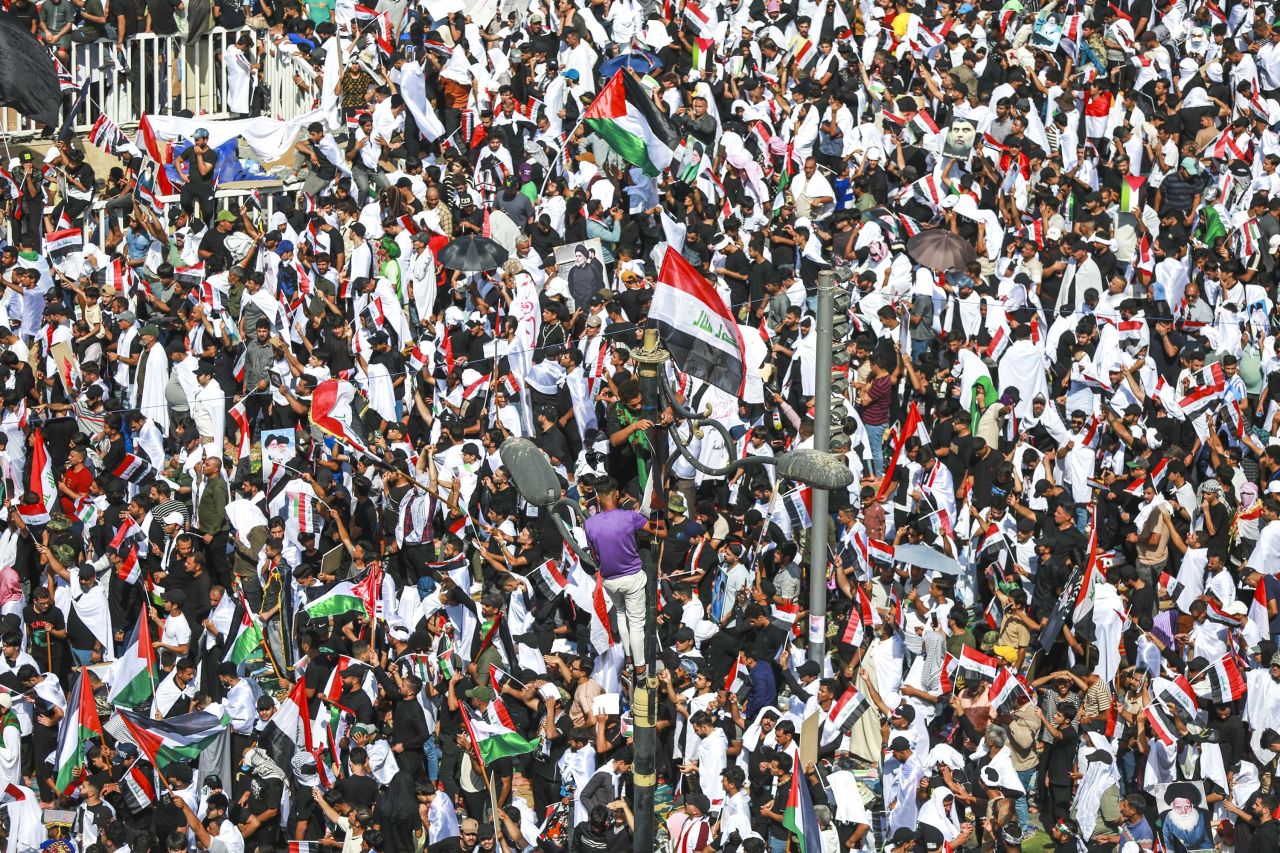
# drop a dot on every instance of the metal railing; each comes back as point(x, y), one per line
point(292, 84)
point(162, 75)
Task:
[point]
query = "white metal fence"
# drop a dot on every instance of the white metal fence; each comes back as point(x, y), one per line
point(162, 75)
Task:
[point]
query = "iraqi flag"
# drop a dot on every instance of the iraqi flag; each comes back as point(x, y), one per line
point(797, 503)
point(303, 507)
point(79, 723)
point(1226, 681)
point(738, 679)
point(1160, 721)
point(627, 119)
point(549, 580)
point(244, 438)
point(974, 664)
point(127, 535)
point(133, 674)
point(848, 709)
point(130, 570)
point(1259, 612)
point(913, 425)
point(136, 786)
point(331, 411)
point(701, 333)
point(41, 481)
point(132, 469)
point(1206, 387)
point(60, 244)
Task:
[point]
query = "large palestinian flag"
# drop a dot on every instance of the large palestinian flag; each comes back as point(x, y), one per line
point(697, 327)
point(626, 117)
point(177, 739)
point(78, 725)
point(133, 675)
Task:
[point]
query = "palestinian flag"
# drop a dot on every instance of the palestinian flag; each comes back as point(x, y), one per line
point(799, 818)
point(78, 725)
point(247, 634)
point(175, 740)
point(133, 674)
point(289, 728)
point(492, 742)
point(343, 598)
point(696, 326)
point(626, 117)
point(137, 786)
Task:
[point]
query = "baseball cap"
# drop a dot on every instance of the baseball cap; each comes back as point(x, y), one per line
point(200, 133)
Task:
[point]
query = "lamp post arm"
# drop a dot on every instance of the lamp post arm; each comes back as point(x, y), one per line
point(566, 532)
point(698, 421)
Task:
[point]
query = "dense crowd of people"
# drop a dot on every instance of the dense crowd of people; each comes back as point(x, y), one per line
point(266, 581)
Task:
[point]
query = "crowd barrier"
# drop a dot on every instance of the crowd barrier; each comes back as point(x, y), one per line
point(162, 75)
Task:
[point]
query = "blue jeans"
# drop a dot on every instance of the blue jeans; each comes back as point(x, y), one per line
point(918, 348)
point(777, 845)
point(1023, 806)
point(1082, 518)
point(431, 750)
point(875, 434)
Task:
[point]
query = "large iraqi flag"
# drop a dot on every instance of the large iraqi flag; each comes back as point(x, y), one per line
point(696, 326)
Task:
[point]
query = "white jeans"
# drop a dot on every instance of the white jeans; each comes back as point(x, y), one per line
point(628, 596)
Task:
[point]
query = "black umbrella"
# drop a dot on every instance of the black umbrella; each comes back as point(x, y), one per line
point(28, 82)
point(940, 249)
point(472, 254)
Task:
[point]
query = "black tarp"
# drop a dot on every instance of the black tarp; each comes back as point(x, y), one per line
point(28, 82)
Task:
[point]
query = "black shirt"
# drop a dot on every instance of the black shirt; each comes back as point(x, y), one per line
point(194, 175)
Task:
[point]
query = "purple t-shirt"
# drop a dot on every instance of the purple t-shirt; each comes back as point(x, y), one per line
point(612, 535)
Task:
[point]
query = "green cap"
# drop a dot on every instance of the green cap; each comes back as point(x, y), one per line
point(484, 694)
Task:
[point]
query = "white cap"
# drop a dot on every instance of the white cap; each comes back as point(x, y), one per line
point(453, 315)
point(558, 287)
point(173, 518)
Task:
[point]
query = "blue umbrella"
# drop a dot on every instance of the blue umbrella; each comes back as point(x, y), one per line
point(639, 61)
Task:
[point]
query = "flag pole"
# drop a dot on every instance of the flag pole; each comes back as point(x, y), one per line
point(266, 647)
